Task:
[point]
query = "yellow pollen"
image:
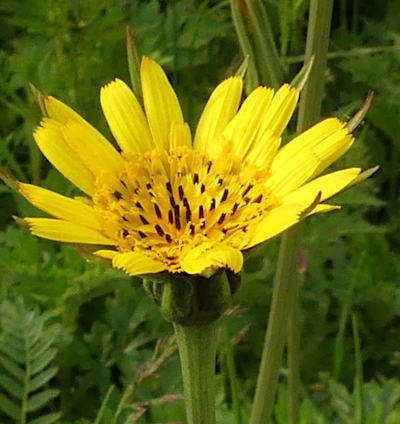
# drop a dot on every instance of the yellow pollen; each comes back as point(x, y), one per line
point(166, 203)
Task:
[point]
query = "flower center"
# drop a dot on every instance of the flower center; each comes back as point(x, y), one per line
point(167, 203)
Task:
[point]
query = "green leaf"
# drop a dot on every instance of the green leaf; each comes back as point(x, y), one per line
point(42, 361)
point(47, 419)
point(42, 378)
point(9, 407)
point(40, 348)
point(11, 386)
point(40, 399)
point(13, 368)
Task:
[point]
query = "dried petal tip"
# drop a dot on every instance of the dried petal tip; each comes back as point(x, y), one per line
point(39, 98)
point(9, 180)
point(312, 206)
point(363, 176)
point(20, 221)
point(241, 71)
point(299, 81)
point(360, 115)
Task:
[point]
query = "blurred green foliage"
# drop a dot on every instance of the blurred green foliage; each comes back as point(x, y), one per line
point(107, 328)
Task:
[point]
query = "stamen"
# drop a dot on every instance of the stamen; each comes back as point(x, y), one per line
point(188, 211)
point(157, 209)
point(181, 193)
point(202, 188)
point(159, 230)
point(125, 233)
point(195, 178)
point(143, 219)
point(212, 207)
point(169, 187)
point(117, 194)
point(259, 198)
point(235, 207)
point(201, 212)
point(124, 218)
point(225, 195)
point(142, 234)
point(249, 187)
point(139, 205)
point(172, 201)
point(168, 238)
point(209, 167)
point(221, 218)
point(177, 217)
point(170, 217)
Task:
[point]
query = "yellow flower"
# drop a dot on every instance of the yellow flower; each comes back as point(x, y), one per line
point(170, 203)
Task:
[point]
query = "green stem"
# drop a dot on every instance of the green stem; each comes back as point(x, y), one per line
point(286, 275)
point(233, 381)
point(293, 354)
point(197, 350)
point(360, 415)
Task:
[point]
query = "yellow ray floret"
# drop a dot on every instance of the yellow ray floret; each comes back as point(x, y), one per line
point(167, 204)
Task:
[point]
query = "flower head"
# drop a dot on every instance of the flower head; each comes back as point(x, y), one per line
point(165, 202)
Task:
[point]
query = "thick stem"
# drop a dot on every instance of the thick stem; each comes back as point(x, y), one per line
point(197, 350)
point(286, 275)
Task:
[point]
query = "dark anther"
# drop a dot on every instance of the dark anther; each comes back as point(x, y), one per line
point(159, 230)
point(142, 234)
point(157, 209)
point(259, 198)
point(201, 212)
point(124, 218)
point(249, 187)
point(117, 194)
point(191, 229)
point(138, 204)
point(172, 201)
point(235, 207)
point(212, 206)
point(225, 195)
point(177, 217)
point(143, 219)
point(125, 233)
point(195, 178)
point(123, 183)
point(221, 218)
point(181, 193)
point(209, 167)
point(220, 181)
point(188, 211)
point(169, 188)
point(224, 230)
point(148, 186)
point(202, 188)
point(168, 238)
point(170, 217)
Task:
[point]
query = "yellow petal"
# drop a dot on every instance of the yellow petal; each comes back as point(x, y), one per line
point(126, 117)
point(160, 102)
point(293, 173)
point(322, 208)
point(179, 135)
point(201, 259)
point(242, 129)
point(277, 221)
point(219, 110)
point(60, 206)
point(60, 230)
point(61, 112)
point(136, 263)
point(263, 151)
point(280, 110)
point(328, 185)
point(309, 139)
point(93, 149)
point(106, 254)
point(52, 144)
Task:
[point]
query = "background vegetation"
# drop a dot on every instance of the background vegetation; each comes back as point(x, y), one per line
point(75, 335)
